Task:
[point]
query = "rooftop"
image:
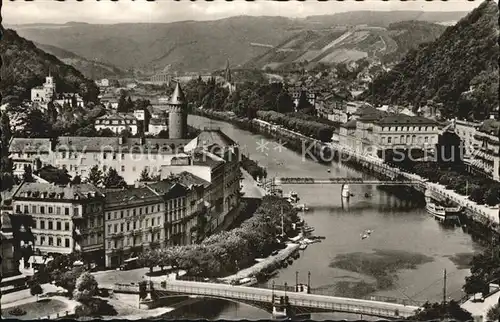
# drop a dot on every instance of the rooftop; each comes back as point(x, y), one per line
point(405, 119)
point(214, 136)
point(29, 145)
point(47, 190)
point(130, 196)
point(350, 124)
point(118, 116)
point(206, 159)
point(178, 97)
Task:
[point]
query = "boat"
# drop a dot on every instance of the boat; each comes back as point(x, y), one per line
point(368, 231)
point(308, 229)
point(303, 246)
point(443, 213)
point(328, 170)
point(345, 191)
point(439, 211)
point(301, 207)
point(364, 236)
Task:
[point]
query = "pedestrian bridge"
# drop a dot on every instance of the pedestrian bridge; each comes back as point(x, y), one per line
point(302, 301)
point(360, 181)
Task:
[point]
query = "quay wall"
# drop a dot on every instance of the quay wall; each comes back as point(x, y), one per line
point(477, 218)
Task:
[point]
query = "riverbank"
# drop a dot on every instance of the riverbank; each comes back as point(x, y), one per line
point(480, 216)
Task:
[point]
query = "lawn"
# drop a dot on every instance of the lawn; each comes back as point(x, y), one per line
point(36, 310)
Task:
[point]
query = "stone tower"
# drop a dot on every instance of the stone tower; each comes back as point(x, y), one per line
point(177, 115)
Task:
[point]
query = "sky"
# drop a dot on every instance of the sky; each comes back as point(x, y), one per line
point(106, 11)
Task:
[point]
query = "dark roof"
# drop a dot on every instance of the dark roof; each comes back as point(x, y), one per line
point(350, 124)
point(214, 136)
point(36, 189)
point(131, 196)
point(178, 97)
point(29, 145)
point(188, 179)
point(405, 120)
point(79, 143)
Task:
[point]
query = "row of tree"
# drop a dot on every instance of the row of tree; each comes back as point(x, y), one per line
point(480, 189)
point(312, 129)
point(253, 168)
point(229, 251)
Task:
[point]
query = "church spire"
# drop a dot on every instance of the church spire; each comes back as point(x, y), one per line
point(228, 73)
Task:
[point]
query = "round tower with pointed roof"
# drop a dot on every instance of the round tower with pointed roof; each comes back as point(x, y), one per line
point(177, 114)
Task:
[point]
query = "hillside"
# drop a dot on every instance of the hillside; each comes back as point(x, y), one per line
point(90, 69)
point(459, 69)
point(384, 18)
point(25, 66)
point(345, 44)
point(192, 45)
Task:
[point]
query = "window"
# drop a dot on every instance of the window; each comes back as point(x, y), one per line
point(152, 222)
point(58, 225)
point(121, 227)
point(123, 156)
point(109, 216)
point(66, 211)
point(42, 209)
point(42, 224)
point(66, 242)
point(25, 209)
point(123, 168)
point(33, 209)
point(158, 208)
point(133, 212)
point(115, 215)
point(109, 229)
point(426, 139)
point(104, 156)
point(389, 140)
point(51, 241)
point(42, 240)
point(50, 225)
point(58, 210)
point(66, 226)
point(135, 224)
point(76, 211)
point(147, 223)
point(59, 242)
point(109, 243)
point(18, 208)
point(114, 156)
point(116, 228)
point(121, 214)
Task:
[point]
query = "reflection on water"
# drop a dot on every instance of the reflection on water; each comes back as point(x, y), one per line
point(401, 229)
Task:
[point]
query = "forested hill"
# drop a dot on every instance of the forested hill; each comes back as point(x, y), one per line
point(25, 66)
point(459, 69)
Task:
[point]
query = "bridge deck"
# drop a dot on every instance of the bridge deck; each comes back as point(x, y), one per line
point(343, 181)
point(330, 303)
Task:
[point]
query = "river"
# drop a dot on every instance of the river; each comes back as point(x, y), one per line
point(404, 257)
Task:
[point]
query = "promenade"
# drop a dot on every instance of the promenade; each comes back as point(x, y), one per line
point(480, 309)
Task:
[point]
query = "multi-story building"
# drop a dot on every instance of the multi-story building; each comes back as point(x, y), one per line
point(117, 122)
point(157, 125)
point(296, 93)
point(467, 131)
point(135, 220)
point(486, 158)
point(65, 218)
point(128, 156)
point(376, 132)
point(44, 93)
point(9, 266)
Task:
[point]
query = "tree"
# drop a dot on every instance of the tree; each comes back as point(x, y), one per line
point(163, 134)
point(54, 175)
point(125, 133)
point(113, 180)
point(474, 284)
point(67, 279)
point(88, 131)
point(74, 101)
point(52, 112)
point(35, 288)
point(143, 291)
point(129, 106)
point(145, 176)
point(122, 104)
point(95, 176)
point(493, 313)
point(5, 128)
point(85, 288)
point(106, 133)
point(284, 102)
point(28, 174)
point(438, 311)
point(76, 180)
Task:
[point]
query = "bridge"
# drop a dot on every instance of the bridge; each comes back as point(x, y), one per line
point(263, 298)
point(343, 181)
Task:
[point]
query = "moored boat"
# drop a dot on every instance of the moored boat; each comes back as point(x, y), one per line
point(439, 211)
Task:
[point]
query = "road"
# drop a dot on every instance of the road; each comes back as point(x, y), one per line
point(250, 188)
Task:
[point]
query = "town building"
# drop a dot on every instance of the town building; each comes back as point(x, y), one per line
point(375, 132)
point(102, 82)
point(135, 219)
point(467, 131)
point(70, 99)
point(117, 122)
point(161, 78)
point(9, 266)
point(157, 125)
point(296, 93)
point(486, 159)
point(44, 93)
point(65, 218)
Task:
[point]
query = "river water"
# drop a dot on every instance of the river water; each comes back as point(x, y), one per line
point(403, 258)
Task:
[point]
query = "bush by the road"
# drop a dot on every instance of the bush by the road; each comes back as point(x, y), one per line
point(253, 168)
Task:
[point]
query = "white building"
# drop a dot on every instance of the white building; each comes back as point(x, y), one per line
point(44, 93)
point(117, 123)
point(102, 82)
point(157, 125)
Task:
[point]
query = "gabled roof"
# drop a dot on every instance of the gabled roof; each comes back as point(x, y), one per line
point(29, 145)
point(69, 192)
point(131, 196)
